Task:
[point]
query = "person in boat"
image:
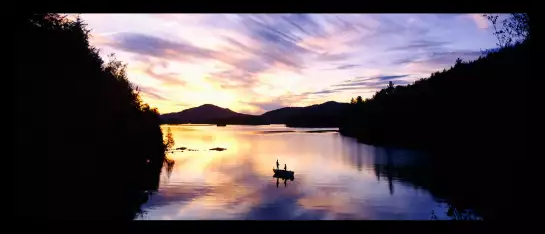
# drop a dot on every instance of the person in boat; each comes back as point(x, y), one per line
point(277, 164)
point(285, 167)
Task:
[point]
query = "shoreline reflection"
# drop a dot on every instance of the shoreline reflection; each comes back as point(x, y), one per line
point(338, 178)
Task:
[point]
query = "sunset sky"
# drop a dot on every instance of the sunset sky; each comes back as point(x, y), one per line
point(256, 63)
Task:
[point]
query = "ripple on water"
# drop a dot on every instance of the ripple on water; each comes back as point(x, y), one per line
point(335, 178)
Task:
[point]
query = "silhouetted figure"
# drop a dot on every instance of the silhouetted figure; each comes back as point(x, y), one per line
point(285, 167)
point(277, 165)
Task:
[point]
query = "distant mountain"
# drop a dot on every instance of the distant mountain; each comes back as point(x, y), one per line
point(327, 114)
point(281, 116)
point(320, 115)
point(206, 114)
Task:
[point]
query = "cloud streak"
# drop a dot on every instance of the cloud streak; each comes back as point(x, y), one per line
point(158, 47)
point(152, 92)
point(419, 44)
point(363, 84)
point(479, 20)
point(264, 61)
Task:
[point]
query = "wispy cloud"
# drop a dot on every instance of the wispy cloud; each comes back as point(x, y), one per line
point(267, 106)
point(347, 66)
point(152, 92)
point(443, 58)
point(479, 20)
point(256, 62)
point(167, 78)
point(158, 47)
point(420, 44)
point(330, 57)
point(363, 84)
point(234, 78)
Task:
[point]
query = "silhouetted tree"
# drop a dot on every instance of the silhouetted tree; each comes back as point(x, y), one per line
point(458, 62)
point(102, 147)
point(390, 89)
point(169, 141)
point(359, 100)
point(514, 28)
point(462, 117)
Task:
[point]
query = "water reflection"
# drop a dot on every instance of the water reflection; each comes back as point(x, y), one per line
point(338, 178)
point(169, 166)
point(285, 179)
point(413, 169)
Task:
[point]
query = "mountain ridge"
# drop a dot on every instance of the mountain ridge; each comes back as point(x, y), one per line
point(206, 113)
point(319, 115)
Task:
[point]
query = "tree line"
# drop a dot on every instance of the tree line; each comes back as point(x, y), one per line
point(477, 97)
point(470, 117)
point(87, 147)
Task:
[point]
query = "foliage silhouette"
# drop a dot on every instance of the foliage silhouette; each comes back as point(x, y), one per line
point(471, 117)
point(169, 141)
point(88, 147)
point(515, 28)
point(359, 100)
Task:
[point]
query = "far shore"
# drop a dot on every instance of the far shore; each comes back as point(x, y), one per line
point(336, 129)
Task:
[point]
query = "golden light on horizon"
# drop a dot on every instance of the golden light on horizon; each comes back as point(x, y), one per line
point(290, 66)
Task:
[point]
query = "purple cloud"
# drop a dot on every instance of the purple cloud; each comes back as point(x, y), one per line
point(363, 84)
point(168, 78)
point(234, 79)
point(158, 47)
point(347, 66)
point(301, 45)
point(442, 58)
point(420, 44)
point(329, 57)
point(266, 106)
point(152, 92)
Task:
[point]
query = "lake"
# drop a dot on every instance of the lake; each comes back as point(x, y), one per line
point(335, 177)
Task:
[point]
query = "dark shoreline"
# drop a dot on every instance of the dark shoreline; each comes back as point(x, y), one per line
point(103, 169)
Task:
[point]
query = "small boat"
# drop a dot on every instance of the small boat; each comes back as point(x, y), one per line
point(283, 173)
point(221, 125)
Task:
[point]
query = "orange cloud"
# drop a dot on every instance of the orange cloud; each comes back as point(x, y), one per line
point(253, 63)
point(479, 20)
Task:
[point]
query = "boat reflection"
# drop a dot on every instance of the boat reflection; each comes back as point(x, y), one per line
point(285, 179)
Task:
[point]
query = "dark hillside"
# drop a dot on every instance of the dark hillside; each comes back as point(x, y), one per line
point(471, 118)
point(94, 148)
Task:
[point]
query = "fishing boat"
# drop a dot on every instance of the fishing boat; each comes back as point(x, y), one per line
point(283, 173)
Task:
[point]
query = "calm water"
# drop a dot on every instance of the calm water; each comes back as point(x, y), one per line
point(335, 177)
